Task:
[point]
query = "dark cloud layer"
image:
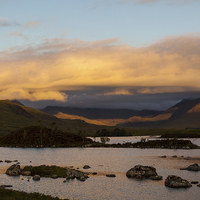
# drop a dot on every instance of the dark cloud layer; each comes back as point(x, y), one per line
point(136, 102)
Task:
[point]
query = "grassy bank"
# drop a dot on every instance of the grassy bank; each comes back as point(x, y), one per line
point(46, 171)
point(6, 194)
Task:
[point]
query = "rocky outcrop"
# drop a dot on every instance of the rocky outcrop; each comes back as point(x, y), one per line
point(141, 172)
point(14, 170)
point(176, 182)
point(194, 167)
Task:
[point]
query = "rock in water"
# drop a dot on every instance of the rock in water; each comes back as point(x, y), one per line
point(36, 177)
point(194, 182)
point(14, 170)
point(176, 182)
point(141, 172)
point(86, 167)
point(110, 175)
point(194, 167)
point(8, 161)
point(156, 178)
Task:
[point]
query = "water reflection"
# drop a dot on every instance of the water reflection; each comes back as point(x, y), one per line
point(102, 161)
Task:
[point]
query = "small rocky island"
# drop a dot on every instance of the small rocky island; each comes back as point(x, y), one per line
point(143, 172)
point(41, 136)
point(46, 171)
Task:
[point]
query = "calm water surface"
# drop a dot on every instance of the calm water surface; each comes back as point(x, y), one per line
point(102, 161)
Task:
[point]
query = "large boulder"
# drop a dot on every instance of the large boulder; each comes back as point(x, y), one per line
point(141, 172)
point(194, 167)
point(176, 182)
point(14, 170)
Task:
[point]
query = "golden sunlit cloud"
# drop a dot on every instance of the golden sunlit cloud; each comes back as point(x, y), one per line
point(33, 72)
point(18, 93)
point(119, 92)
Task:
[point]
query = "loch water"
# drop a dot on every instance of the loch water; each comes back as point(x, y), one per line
point(105, 161)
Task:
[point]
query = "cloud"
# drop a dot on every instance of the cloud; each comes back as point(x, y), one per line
point(17, 34)
point(32, 95)
point(5, 22)
point(31, 24)
point(119, 92)
point(108, 68)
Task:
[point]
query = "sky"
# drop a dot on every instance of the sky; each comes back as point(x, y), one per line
point(135, 54)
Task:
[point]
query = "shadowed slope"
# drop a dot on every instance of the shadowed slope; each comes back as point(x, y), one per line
point(40, 136)
point(14, 116)
point(185, 114)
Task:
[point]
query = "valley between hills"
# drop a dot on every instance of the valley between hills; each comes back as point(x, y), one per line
point(183, 117)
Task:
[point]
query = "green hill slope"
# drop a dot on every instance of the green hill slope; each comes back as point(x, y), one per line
point(14, 116)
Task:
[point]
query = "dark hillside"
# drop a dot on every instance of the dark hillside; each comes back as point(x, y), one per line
point(40, 136)
point(185, 114)
point(14, 116)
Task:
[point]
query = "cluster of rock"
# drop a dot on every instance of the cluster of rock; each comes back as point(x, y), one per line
point(138, 172)
point(14, 170)
point(148, 172)
point(73, 173)
point(143, 172)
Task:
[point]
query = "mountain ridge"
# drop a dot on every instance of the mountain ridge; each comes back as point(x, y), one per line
point(100, 113)
point(185, 114)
